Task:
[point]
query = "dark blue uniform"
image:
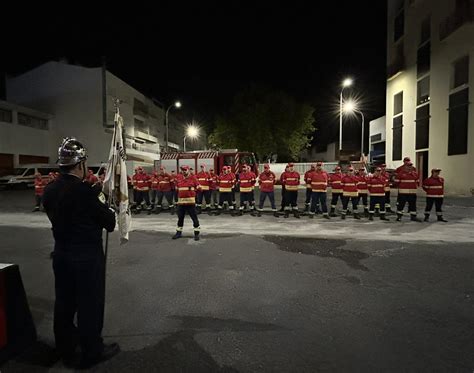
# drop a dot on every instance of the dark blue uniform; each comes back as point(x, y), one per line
point(78, 215)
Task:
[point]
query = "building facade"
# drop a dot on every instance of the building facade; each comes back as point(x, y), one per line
point(429, 116)
point(377, 140)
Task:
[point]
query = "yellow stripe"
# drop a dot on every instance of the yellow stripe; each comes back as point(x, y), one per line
point(186, 200)
point(350, 194)
point(205, 187)
point(434, 187)
point(377, 194)
point(407, 191)
point(225, 189)
point(246, 189)
point(186, 188)
point(291, 187)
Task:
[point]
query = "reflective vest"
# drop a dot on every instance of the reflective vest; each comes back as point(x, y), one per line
point(349, 186)
point(319, 181)
point(291, 180)
point(247, 182)
point(187, 187)
point(203, 179)
point(226, 183)
point(376, 186)
point(362, 184)
point(407, 182)
point(39, 186)
point(434, 187)
point(266, 181)
point(306, 180)
point(335, 181)
point(142, 182)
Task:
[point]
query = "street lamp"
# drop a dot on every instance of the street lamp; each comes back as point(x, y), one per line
point(192, 132)
point(177, 105)
point(346, 83)
point(350, 107)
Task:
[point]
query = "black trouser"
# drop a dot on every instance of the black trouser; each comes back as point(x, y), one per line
point(307, 200)
point(225, 197)
point(158, 198)
point(319, 198)
point(291, 200)
point(271, 197)
point(80, 289)
point(377, 201)
point(206, 194)
point(334, 198)
point(406, 198)
point(214, 197)
point(175, 195)
point(283, 196)
point(437, 201)
point(38, 200)
point(345, 202)
point(143, 195)
point(364, 198)
point(135, 196)
point(387, 200)
point(247, 197)
point(191, 210)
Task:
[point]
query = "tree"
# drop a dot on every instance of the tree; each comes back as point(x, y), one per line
point(265, 122)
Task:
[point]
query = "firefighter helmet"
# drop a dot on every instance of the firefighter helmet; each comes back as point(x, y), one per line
point(71, 152)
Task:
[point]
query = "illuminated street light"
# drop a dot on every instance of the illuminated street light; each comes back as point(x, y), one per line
point(192, 132)
point(346, 83)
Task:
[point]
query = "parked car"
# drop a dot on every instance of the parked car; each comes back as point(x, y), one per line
point(24, 176)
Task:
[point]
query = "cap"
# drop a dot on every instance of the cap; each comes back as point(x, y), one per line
point(266, 165)
point(436, 170)
point(406, 159)
point(319, 164)
point(290, 164)
point(184, 167)
point(71, 152)
point(383, 165)
point(378, 169)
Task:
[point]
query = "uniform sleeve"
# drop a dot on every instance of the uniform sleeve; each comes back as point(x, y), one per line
point(98, 206)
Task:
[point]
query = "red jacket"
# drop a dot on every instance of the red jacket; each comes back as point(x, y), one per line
point(266, 180)
point(362, 184)
point(386, 176)
point(376, 186)
point(213, 180)
point(306, 176)
point(319, 181)
point(349, 186)
point(39, 186)
point(91, 179)
point(434, 187)
point(291, 180)
point(335, 181)
point(141, 182)
point(204, 179)
point(226, 182)
point(164, 182)
point(247, 181)
point(187, 189)
point(407, 182)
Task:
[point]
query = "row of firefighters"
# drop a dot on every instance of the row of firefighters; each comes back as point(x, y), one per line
point(215, 192)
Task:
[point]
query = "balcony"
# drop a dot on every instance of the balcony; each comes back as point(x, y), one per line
point(462, 15)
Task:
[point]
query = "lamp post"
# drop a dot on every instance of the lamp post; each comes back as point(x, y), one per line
point(192, 132)
point(177, 104)
point(351, 107)
point(346, 83)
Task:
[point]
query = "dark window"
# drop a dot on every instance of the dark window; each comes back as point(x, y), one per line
point(379, 147)
point(140, 125)
point(422, 127)
point(460, 72)
point(458, 120)
point(399, 26)
point(397, 138)
point(398, 103)
point(33, 122)
point(139, 108)
point(377, 137)
point(423, 91)
point(5, 115)
point(423, 59)
point(425, 30)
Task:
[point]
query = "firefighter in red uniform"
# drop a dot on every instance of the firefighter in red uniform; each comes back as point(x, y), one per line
point(291, 181)
point(406, 163)
point(434, 188)
point(319, 183)
point(386, 176)
point(307, 202)
point(213, 188)
point(349, 192)
point(363, 190)
point(91, 178)
point(226, 182)
point(187, 185)
point(173, 186)
point(266, 181)
point(204, 180)
point(142, 181)
point(39, 189)
point(134, 185)
point(247, 180)
point(154, 186)
point(283, 191)
point(376, 186)
point(336, 189)
point(407, 181)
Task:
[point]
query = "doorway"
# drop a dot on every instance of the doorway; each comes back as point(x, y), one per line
point(422, 164)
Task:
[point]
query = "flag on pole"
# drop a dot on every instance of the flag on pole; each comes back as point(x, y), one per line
point(115, 181)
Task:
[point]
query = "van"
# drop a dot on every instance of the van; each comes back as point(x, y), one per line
point(24, 176)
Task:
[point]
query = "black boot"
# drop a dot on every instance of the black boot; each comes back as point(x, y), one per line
point(343, 216)
point(356, 215)
point(399, 217)
point(382, 217)
point(414, 218)
point(275, 214)
point(287, 213)
point(332, 213)
point(440, 218)
point(366, 213)
point(172, 210)
point(427, 217)
point(296, 214)
point(177, 235)
point(36, 209)
point(325, 215)
point(217, 212)
point(371, 216)
point(388, 210)
point(311, 215)
point(196, 235)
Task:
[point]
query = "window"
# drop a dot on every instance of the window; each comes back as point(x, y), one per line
point(460, 72)
point(423, 59)
point(140, 125)
point(398, 103)
point(29, 172)
point(377, 137)
point(5, 115)
point(139, 108)
point(423, 91)
point(397, 138)
point(422, 127)
point(425, 30)
point(32, 121)
point(399, 26)
point(458, 120)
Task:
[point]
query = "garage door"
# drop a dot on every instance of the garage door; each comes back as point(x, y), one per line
point(6, 163)
point(28, 159)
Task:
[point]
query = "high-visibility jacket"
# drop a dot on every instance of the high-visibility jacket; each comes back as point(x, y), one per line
point(204, 179)
point(407, 182)
point(434, 187)
point(376, 185)
point(142, 182)
point(306, 178)
point(349, 186)
point(164, 182)
point(187, 187)
point(154, 182)
point(213, 181)
point(319, 181)
point(291, 180)
point(266, 180)
point(362, 184)
point(247, 181)
point(335, 181)
point(386, 176)
point(226, 182)
point(39, 186)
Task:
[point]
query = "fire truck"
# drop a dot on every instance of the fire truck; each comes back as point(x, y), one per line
point(215, 159)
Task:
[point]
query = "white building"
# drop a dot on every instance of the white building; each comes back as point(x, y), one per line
point(429, 89)
point(81, 100)
point(377, 135)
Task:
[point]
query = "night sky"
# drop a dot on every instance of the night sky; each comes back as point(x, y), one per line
point(204, 53)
